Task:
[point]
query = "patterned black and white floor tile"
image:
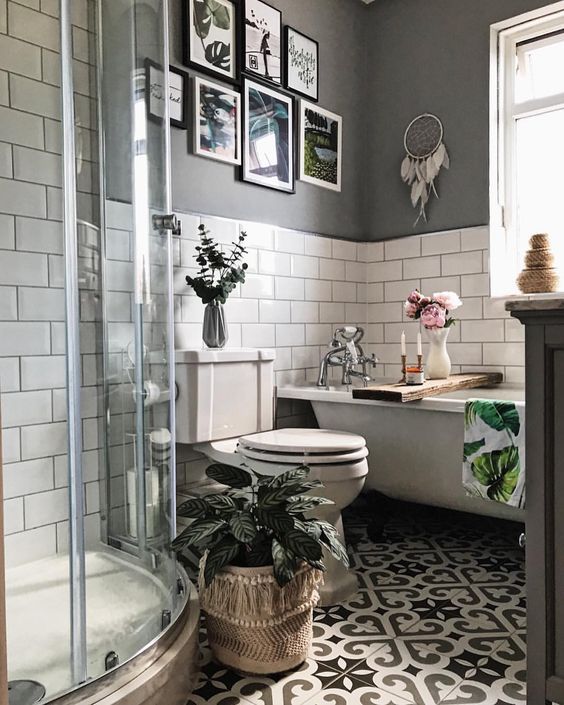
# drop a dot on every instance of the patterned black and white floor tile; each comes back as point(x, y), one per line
point(440, 617)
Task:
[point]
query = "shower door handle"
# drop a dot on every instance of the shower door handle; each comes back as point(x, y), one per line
point(167, 222)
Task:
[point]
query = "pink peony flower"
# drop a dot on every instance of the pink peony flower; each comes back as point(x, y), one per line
point(433, 316)
point(410, 309)
point(415, 297)
point(447, 299)
point(425, 301)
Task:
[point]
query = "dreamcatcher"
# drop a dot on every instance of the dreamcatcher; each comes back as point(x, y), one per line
point(426, 154)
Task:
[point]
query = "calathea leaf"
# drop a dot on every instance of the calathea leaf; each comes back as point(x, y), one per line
point(260, 552)
point(309, 526)
point(229, 475)
point(198, 532)
point(499, 472)
point(331, 539)
point(219, 54)
point(302, 545)
point(219, 556)
point(242, 526)
point(284, 563)
point(221, 503)
point(474, 447)
point(274, 496)
point(193, 508)
point(499, 415)
point(275, 519)
point(290, 476)
point(306, 504)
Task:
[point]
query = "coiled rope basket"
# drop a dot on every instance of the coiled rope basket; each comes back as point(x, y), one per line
point(254, 626)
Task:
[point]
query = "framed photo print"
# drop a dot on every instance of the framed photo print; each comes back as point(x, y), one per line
point(178, 97)
point(268, 129)
point(217, 133)
point(301, 64)
point(262, 38)
point(321, 146)
point(177, 94)
point(210, 32)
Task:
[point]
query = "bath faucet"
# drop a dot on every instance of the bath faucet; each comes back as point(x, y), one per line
point(346, 352)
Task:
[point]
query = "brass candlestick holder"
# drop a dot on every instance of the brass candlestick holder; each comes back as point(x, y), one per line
point(403, 368)
point(420, 361)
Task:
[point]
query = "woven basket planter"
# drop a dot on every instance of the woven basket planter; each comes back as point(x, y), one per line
point(256, 627)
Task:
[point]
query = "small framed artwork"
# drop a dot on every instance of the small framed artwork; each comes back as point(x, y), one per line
point(268, 130)
point(217, 133)
point(262, 38)
point(210, 33)
point(321, 146)
point(301, 64)
point(155, 92)
point(178, 97)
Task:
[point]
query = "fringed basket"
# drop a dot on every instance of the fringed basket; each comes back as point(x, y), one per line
point(254, 626)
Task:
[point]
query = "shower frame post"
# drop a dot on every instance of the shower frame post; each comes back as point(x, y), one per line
point(77, 567)
point(3, 640)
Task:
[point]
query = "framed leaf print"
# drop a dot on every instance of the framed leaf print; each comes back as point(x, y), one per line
point(262, 37)
point(301, 65)
point(321, 146)
point(217, 133)
point(210, 31)
point(268, 134)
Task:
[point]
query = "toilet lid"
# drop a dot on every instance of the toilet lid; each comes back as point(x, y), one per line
point(297, 458)
point(300, 441)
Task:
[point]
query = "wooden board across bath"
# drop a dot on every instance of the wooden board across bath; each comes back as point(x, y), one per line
point(432, 388)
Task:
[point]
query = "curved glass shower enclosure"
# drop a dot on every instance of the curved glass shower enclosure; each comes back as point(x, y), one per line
point(89, 416)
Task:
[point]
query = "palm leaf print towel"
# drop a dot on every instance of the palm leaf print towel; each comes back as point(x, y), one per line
point(494, 451)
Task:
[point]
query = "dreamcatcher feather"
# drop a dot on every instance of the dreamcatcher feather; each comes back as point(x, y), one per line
point(426, 155)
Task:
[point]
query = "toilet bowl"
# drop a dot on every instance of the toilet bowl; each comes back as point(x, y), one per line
point(336, 458)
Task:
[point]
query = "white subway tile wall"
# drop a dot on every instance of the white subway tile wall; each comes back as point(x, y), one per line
point(341, 282)
point(32, 336)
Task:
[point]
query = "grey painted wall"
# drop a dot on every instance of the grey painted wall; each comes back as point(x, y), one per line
point(205, 186)
point(430, 56)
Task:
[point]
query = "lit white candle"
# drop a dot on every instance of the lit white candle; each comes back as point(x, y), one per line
point(403, 347)
point(419, 344)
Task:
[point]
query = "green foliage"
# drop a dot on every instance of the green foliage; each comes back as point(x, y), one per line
point(259, 520)
point(474, 447)
point(499, 472)
point(220, 272)
point(499, 415)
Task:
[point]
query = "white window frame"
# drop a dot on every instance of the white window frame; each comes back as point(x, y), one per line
point(504, 38)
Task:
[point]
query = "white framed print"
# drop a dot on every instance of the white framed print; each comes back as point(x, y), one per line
point(268, 129)
point(217, 130)
point(321, 146)
point(301, 65)
point(178, 97)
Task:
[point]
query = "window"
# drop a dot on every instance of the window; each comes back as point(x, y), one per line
point(527, 138)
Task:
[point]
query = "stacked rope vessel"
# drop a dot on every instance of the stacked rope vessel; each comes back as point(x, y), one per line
point(539, 275)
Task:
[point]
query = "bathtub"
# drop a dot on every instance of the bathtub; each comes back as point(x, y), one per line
point(415, 447)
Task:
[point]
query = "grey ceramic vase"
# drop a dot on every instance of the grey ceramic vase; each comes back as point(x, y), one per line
point(214, 331)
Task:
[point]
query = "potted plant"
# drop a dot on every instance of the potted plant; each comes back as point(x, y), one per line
point(219, 274)
point(261, 565)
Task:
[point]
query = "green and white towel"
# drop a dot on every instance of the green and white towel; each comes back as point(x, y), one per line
point(494, 451)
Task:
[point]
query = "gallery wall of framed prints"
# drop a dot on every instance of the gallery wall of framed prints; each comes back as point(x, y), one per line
point(266, 120)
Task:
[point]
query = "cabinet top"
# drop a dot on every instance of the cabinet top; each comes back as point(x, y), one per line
point(536, 302)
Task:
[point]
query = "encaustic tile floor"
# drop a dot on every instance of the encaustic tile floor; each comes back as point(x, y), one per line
point(440, 617)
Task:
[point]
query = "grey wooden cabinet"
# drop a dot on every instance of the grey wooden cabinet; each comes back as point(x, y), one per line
point(544, 335)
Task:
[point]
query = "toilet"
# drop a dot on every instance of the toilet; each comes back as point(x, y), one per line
point(225, 409)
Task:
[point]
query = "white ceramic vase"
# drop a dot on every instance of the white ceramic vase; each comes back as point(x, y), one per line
point(438, 364)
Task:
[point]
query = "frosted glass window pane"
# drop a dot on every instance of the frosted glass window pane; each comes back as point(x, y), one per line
point(540, 180)
point(539, 69)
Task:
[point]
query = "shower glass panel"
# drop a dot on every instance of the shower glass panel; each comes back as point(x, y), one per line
point(91, 580)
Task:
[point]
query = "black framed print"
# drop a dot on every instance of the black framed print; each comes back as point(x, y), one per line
point(211, 33)
point(268, 137)
point(217, 131)
point(178, 97)
point(301, 64)
point(154, 91)
point(321, 146)
point(262, 38)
